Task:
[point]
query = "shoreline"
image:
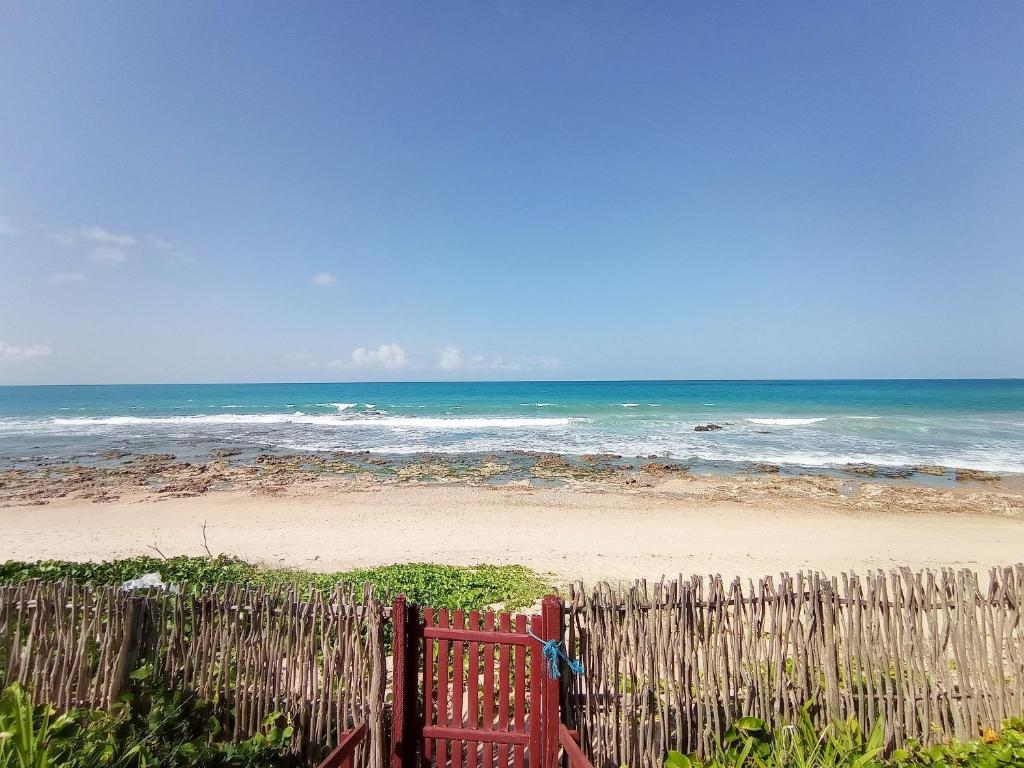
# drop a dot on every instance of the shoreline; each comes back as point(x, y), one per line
point(599, 523)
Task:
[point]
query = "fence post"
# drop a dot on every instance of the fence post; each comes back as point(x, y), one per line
point(551, 611)
point(404, 654)
point(128, 653)
point(398, 677)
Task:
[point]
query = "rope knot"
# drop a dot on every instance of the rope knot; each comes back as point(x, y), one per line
point(552, 650)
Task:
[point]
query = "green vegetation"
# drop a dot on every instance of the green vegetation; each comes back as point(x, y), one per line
point(149, 727)
point(750, 743)
point(443, 586)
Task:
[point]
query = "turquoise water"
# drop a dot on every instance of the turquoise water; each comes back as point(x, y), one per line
point(976, 423)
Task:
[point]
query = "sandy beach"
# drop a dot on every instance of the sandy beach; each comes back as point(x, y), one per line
point(647, 524)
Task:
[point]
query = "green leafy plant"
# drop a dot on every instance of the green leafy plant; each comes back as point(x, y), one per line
point(750, 743)
point(31, 737)
point(993, 750)
point(150, 726)
point(443, 586)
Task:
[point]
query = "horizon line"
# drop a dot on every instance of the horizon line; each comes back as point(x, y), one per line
point(524, 381)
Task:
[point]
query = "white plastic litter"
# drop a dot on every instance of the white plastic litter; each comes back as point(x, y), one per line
point(146, 581)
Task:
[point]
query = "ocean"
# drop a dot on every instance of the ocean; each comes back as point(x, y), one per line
point(796, 424)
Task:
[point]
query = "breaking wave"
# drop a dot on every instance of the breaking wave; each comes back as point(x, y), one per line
point(409, 422)
point(786, 422)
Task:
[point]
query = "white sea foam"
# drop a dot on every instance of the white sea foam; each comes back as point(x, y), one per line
point(786, 422)
point(629, 405)
point(343, 406)
point(298, 417)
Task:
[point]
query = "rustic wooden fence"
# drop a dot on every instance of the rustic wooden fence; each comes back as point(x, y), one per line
point(670, 665)
point(320, 660)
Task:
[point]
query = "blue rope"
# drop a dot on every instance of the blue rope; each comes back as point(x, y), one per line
point(552, 650)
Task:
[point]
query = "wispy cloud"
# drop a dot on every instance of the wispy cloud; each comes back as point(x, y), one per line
point(99, 244)
point(324, 279)
point(9, 353)
point(108, 255)
point(386, 357)
point(170, 250)
point(91, 236)
point(68, 277)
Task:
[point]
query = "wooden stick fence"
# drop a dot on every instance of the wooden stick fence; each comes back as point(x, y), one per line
point(668, 665)
point(320, 661)
point(671, 665)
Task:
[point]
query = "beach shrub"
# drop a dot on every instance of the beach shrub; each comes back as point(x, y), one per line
point(32, 737)
point(751, 743)
point(150, 726)
point(444, 586)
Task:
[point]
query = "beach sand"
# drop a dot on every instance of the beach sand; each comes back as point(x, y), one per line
point(663, 525)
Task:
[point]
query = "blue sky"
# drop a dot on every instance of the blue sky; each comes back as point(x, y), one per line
point(239, 191)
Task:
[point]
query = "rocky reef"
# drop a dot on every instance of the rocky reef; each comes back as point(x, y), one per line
point(117, 475)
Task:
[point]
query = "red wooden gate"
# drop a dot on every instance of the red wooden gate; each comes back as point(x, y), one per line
point(471, 689)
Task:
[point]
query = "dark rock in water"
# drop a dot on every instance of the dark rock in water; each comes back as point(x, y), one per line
point(766, 469)
point(896, 473)
point(707, 428)
point(661, 468)
point(870, 470)
point(976, 474)
point(600, 457)
point(115, 454)
point(931, 469)
point(223, 453)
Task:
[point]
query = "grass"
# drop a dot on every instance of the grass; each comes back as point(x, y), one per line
point(443, 586)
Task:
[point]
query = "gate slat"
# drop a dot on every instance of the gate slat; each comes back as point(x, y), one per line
point(505, 669)
point(473, 710)
point(429, 690)
point(441, 746)
point(536, 676)
point(488, 756)
point(458, 622)
point(519, 703)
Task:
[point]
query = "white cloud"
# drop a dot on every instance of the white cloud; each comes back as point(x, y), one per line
point(386, 356)
point(12, 354)
point(7, 227)
point(68, 277)
point(323, 279)
point(451, 358)
point(108, 255)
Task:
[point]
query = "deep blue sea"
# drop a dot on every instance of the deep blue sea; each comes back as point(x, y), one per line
point(812, 424)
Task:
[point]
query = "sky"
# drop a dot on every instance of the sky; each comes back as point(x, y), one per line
point(236, 191)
